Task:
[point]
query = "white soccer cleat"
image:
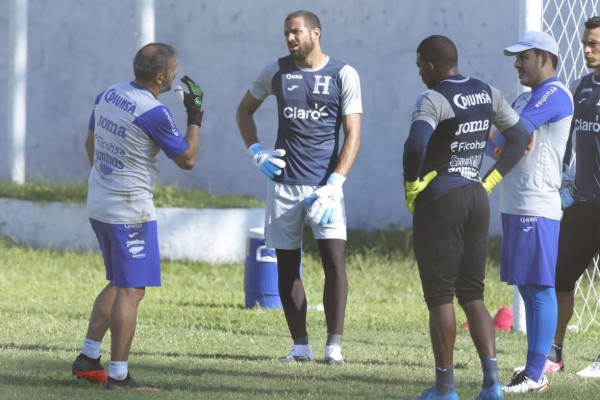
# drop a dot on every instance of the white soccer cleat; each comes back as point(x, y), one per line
point(333, 355)
point(592, 371)
point(299, 353)
point(549, 368)
point(521, 383)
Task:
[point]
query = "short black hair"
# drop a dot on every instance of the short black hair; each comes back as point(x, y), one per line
point(152, 59)
point(440, 51)
point(311, 21)
point(553, 57)
point(593, 22)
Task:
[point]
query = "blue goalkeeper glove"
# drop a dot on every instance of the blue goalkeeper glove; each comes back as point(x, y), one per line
point(412, 189)
point(326, 202)
point(567, 191)
point(269, 162)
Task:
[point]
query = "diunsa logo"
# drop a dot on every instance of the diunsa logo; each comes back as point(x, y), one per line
point(464, 101)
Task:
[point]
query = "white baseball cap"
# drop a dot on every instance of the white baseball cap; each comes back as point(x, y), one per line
point(533, 40)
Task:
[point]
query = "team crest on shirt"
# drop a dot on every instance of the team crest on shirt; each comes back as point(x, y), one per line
point(321, 87)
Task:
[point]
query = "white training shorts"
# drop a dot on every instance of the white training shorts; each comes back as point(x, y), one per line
point(285, 217)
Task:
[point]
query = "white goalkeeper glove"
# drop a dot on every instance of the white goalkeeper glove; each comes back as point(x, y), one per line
point(326, 202)
point(269, 162)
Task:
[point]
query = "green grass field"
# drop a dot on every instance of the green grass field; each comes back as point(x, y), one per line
point(195, 339)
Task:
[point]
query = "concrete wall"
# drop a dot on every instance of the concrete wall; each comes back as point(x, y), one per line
point(212, 236)
point(76, 50)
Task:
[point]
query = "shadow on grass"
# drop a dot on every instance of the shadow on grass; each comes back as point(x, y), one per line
point(315, 372)
point(33, 381)
point(256, 381)
point(200, 304)
point(33, 347)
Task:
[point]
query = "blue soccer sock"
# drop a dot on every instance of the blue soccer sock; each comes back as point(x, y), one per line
point(535, 365)
point(541, 315)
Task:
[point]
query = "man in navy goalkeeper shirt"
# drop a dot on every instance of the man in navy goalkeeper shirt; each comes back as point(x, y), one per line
point(316, 96)
point(442, 159)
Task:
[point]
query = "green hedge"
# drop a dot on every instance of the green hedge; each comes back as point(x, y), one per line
point(164, 196)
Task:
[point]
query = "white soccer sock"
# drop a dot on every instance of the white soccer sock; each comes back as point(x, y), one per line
point(91, 348)
point(117, 369)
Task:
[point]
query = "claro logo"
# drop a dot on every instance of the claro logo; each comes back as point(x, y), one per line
point(300, 113)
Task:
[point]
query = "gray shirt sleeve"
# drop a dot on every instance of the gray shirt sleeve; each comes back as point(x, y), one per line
point(262, 86)
point(432, 107)
point(506, 116)
point(351, 95)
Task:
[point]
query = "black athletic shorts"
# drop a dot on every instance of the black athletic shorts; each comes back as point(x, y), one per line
point(578, 243)
point(450, 243)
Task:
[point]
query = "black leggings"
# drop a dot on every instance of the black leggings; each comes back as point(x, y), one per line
point(335, 293)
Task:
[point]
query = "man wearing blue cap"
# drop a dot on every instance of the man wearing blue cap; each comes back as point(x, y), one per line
point(530, 203)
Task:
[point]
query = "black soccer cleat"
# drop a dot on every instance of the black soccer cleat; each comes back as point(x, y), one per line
point(89, 369)
point(127, 383)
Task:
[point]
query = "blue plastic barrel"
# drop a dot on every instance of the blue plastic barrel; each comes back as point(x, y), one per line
point(260, 272)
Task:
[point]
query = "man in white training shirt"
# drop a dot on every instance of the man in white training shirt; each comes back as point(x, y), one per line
point(127, 129)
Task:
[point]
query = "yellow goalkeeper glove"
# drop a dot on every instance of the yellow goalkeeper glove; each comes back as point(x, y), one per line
point(412, 189)
point(491, 180)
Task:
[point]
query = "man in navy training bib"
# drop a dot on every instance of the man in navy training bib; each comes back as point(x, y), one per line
point(442, 160)
point(316, 95)
point(127, 129)
point(580, 227)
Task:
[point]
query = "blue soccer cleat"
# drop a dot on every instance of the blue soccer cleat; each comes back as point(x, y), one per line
point(432, 394)
point(493, 392)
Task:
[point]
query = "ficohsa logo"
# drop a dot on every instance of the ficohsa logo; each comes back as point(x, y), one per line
point(463, 146)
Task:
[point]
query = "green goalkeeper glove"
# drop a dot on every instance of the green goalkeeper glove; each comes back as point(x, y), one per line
point(412, 189)
point(193, 101)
